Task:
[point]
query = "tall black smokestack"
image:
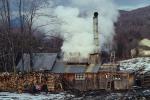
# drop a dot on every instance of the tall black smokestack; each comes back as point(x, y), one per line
point(95, 31)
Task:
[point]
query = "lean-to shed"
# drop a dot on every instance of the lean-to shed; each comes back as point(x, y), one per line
point(40, 62)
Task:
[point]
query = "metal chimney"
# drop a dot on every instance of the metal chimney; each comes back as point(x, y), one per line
point(95, 31)
point(95, 56)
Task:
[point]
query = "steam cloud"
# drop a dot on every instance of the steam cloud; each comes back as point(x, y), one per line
point(77, 32)
point(76, 25)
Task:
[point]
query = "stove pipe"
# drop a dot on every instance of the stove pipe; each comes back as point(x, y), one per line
point(95, 31)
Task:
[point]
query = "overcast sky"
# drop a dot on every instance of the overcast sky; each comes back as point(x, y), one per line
point(131, 4)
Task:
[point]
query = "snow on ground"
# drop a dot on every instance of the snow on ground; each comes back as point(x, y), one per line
point(26, 96)
point(135, 64)
point(90, 95)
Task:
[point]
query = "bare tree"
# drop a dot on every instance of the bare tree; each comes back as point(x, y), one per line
point(6, 19)
point(26, 37)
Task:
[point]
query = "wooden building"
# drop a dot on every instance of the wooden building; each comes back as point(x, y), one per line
point(112, 78)
point(115, 80)
point(81, 76)
point(90, 77)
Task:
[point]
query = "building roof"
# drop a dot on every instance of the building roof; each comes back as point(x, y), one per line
point(75, 69)
point(49, 61)
point(58, 67)
point(93, 69)
point(61, 67)
point(26, 65)
point(41, 61)
point(109, 67)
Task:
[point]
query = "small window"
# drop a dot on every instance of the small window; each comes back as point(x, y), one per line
point(117, 77)
point(79, 76)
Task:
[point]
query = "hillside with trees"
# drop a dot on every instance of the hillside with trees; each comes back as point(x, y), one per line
point(132, 26)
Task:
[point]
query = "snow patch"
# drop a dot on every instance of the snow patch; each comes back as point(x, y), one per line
point(136, 64)
point(26, 96)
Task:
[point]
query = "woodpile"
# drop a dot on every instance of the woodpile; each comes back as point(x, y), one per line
point(50, 82)
point(25, 82)
point(146, 80)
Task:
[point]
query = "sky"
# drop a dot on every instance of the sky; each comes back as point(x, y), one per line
point(131, 4)
point(126, 4)
point(122, 4)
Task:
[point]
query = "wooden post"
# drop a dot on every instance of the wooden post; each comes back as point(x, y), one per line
point(94, 81)
point(128, 81)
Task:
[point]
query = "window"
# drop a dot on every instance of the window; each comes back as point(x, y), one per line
point(117, 77)
point(79, 76)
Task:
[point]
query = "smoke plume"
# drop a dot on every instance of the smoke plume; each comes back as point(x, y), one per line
point(77, 29)
point(75, 19)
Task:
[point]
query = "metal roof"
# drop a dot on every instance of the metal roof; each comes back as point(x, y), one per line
point(41, 61)
point(49, 61)
point(93, 69)
point(44, 61)
point(58, 67)
point(61, 67)
point(26, 58)
point(75, 69)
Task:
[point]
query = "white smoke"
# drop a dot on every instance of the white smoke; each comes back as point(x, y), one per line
point(76, 30)
point(77, 26)
point(76, 17)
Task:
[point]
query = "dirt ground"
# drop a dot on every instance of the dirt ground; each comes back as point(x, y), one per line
point(133, 94)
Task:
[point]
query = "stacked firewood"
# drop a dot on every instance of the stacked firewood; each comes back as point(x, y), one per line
point(51, 82)
point(5, 82)
point(22, 82)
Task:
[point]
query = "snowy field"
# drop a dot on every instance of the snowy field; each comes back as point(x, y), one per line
point(92, 95)
point(26, 96)
point(136, 64)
